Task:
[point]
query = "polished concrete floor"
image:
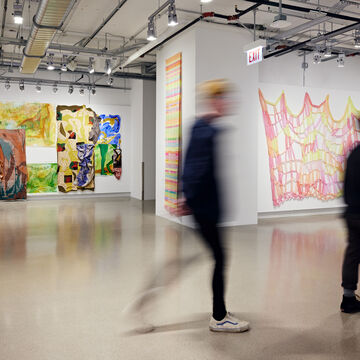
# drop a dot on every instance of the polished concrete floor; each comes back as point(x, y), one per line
point(68, 268)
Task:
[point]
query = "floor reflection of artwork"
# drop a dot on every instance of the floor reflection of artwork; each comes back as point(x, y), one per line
point(173, 130)
point(13, 231)
point(13, 171)
point(307, 151)
point(42, 178)
point(75, 149)
point(38, 120)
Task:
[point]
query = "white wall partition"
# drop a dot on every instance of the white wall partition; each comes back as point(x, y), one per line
point(211, 52)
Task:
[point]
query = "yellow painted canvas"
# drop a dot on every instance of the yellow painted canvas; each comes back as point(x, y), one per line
point(38, 120)
point(74, 125)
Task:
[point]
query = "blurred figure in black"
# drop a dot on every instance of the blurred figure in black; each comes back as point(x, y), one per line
point(350, 270)
point(201, 191)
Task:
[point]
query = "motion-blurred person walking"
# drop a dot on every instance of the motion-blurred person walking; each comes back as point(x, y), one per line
point(202, 195)
point(350, 270)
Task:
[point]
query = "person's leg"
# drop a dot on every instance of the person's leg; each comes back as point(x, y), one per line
point(350, 268)
point(211, 235)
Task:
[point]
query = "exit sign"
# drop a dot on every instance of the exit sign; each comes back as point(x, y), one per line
point(254, 55)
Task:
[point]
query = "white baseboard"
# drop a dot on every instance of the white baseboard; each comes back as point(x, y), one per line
point(69, 196)
point(326, 211)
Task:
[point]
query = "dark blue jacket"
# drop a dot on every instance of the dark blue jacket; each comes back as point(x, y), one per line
point(352, 182)
point(200, 184)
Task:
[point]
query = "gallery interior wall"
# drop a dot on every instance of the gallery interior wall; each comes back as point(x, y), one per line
point(115, 102)
point(285, 74)
point(208, 52)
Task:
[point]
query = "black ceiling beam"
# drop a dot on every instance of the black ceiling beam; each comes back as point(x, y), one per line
point(304, 9)
point(328, 35)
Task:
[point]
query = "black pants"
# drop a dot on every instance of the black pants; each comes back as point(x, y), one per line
point(211, 235)
point(350, 270)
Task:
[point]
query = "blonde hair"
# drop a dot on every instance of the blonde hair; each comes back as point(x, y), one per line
point(214, 88)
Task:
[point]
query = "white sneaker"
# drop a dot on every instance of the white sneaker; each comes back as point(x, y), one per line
point(229, 324)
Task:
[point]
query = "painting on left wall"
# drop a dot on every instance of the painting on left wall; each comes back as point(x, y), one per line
point(38, 120)
point(13, 170)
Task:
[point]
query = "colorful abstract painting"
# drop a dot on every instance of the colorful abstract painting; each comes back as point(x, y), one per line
point(308, 151)
point(42, 178)
point(117, 163)
point(173, 131)
point(38, 120)
point(110, 130)
point(75, 155)
point(104, 159)
point(13, 171)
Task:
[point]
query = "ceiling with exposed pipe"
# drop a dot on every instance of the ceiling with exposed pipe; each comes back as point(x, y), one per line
point(76, 34)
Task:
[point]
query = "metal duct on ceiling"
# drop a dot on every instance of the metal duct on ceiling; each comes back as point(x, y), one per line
point(48, 19)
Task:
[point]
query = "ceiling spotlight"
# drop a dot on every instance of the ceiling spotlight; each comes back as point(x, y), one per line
point(317, 57)
point(55, 89)
point(71, 89)
point(357, 43)
point(64, 63)
point(172, 17)
point(280, 21)
point(151, 33)
point(108, 69)
point(328, 53)
point(38, 88)
point(205, 1)
point(50, 62)
point(91, 65)
point(18, 11)
point(7, 85)
point(72, 65)
point(21, 85)
point(341, 60)
point(93, 90)
point(82, 91)
point(110, 81)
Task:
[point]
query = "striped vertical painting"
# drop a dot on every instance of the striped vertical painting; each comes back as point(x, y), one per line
point(173, 131)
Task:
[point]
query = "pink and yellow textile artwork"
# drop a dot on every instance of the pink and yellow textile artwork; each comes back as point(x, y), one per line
point(173, 131)
point(308, 151)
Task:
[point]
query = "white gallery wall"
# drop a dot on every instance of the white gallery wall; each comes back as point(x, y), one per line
point(208, 52)
point(114, 102)
point(285, 74)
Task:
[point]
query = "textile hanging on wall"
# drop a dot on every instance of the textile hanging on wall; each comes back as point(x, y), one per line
point(104, 164)
point(42, 178)
point(108, 146)
point(308, 151)
point(117, 163)
point(38, 120)
point(75, 126)
point(173, 130)
point(13, 171)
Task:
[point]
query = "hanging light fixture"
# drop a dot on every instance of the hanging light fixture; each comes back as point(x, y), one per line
point(91, 66)
point(93, 90)
point(38, 88)
point(64, 63)
point(50, 62)
point(71, 89)
point(341, 60)
point(21, 85)
point(172, 17)
point(110, 81)
point(151, 33)
point(18, 12)
point(108, 69)
point(317, 57)
point(280, 21)
point(7, 85)
point(55, 88)
point(82, 91)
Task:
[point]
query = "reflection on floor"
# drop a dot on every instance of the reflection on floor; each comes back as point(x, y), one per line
point(69, 268)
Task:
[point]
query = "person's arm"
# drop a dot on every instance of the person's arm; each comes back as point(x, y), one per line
point(197, 163)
